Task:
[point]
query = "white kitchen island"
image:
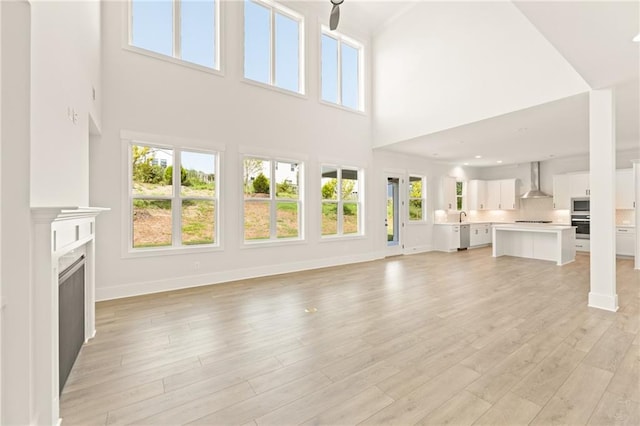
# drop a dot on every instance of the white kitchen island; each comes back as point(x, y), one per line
point(535, 241)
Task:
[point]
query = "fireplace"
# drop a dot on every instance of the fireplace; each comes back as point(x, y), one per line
point(60, 237)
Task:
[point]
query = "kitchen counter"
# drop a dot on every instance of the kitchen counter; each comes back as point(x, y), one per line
point(535, 241)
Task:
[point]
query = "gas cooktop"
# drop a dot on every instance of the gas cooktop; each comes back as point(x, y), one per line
point(533, 221)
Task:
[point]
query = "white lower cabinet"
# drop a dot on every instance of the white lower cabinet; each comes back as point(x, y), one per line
point(480, 234)
point(446, 237)
point(625, 241)
point(583, 245)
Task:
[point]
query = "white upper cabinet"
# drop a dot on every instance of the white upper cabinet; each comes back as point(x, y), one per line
point(493, 195)
point(501, 194)
point(561, 198)
point(625, 194)
point(447, 193)
point(508, 195)
point(579, 185)
point(477, 195)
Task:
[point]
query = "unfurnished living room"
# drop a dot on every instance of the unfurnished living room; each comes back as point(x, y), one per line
point(319, 212)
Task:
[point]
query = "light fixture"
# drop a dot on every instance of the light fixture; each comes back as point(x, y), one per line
point(334, 17)
point(466, 164)
point(637, 38)
point(478, 156)
point(499, 161)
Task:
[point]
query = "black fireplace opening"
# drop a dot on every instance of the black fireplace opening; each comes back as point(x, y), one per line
point(71, 315)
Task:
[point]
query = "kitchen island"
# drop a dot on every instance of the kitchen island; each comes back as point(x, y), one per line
point(535, 241)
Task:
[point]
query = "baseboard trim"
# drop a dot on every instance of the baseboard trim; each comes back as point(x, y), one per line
point(157, 286)
point(603, 301)
point(417, 249)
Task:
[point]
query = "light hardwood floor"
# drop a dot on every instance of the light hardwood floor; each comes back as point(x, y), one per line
point(432, 338)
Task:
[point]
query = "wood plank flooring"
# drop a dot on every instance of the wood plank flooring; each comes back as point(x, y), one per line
point(432, 338)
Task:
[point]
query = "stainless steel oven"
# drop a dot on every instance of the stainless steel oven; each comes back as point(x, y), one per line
point(582, 222)
point(580, 206)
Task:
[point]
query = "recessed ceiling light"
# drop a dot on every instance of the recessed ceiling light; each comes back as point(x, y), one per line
point(478, 156)
point(637, 38)
point(466, 164)
point(499, 161)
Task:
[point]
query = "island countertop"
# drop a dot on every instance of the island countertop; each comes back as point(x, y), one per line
point(535, 241)
point(533, 227)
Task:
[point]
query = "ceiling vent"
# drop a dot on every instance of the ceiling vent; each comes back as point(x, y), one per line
point(535, 192)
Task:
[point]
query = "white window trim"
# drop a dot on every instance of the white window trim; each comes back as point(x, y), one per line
point(142, 139)
point(340, 202)
point(351, 42)
point(274, 8)
point(175, 58)
point(273, 239)
point(423, 198)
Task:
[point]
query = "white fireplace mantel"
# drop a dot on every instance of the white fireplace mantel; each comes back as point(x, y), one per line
point(57, 231)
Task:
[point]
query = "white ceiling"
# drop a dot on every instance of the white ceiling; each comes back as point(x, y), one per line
point(594, 37)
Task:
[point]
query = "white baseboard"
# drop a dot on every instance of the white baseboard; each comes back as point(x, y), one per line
point(157, 286)
point(417, 249)
point(603, 301)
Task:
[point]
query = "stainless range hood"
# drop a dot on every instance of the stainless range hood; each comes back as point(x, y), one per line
point(535, 192)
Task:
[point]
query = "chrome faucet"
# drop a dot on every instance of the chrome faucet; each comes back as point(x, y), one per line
point(462, 213)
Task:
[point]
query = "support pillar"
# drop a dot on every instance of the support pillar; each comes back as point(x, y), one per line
point(602, 165)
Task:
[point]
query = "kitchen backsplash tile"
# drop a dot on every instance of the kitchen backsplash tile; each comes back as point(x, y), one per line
point(530, 209)
point(625, 217)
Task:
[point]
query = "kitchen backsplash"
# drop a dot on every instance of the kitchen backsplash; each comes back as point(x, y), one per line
point(625, 217)
point(530, 209)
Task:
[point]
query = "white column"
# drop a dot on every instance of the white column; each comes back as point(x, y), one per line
point(636, 181)
point(602, 162)
point(16, 369)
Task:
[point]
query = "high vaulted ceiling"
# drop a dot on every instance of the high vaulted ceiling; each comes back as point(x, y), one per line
point(595, 38)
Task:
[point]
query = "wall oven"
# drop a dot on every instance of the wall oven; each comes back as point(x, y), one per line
point(582, 222)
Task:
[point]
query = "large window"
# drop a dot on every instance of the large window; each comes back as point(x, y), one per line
point(273, 45)
point(183, 29)
point(341, 201)
point(341, 72)
point(272, 199)
point(173, 197)
point(417, 198)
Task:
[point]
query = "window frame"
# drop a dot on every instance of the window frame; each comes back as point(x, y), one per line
point(353, 43)
point(176, 198)
point(175, 58)
point(460, 198)
point(273, 201)
point(340, 203)
point(275, 7)
point(423, 199)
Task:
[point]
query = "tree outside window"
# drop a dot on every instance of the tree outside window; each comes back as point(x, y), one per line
point(417, 198)
point(341, 191)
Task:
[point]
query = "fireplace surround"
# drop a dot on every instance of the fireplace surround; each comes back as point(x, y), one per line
point(56, 233)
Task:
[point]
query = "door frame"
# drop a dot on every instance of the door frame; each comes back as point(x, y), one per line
point(397, 249)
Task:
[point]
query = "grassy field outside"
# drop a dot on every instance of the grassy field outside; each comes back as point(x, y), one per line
point(152, 219)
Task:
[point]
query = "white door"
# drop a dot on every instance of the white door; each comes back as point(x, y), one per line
point(394, 218)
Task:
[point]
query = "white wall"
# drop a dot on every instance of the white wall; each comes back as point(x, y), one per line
point(417, 236)
point(65, 68)
point(148, 95)
point(17, 382)
point(445, 64)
